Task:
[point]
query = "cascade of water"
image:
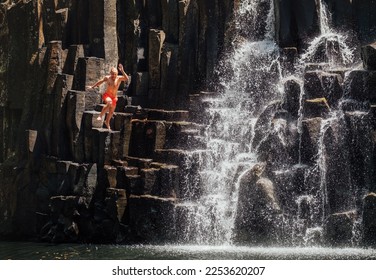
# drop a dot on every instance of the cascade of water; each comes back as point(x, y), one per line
point(322, 166)
point(232, 119)
point(255, 80)
point(330, 44)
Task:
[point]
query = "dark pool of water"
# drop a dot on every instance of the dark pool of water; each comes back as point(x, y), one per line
point(39, 251)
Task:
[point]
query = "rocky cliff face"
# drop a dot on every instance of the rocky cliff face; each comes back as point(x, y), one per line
point(64, 178)
point(50, 51)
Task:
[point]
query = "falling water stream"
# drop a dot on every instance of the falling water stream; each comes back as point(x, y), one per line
point(251, 79)
point(233, 114)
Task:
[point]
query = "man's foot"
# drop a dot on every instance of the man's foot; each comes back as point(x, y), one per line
point(99, 118)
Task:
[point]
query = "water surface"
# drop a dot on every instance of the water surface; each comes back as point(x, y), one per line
point(44, 251)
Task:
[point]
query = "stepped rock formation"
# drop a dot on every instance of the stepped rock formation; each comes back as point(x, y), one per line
point(65, 178)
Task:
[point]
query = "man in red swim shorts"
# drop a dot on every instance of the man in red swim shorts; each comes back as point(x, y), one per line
point(113, 82)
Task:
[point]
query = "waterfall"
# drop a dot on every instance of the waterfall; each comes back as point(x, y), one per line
point(337, 50)
point(248, 79)
point(248, 116)
point(337, 54)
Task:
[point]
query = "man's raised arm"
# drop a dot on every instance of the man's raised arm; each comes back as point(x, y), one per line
point(124, 76)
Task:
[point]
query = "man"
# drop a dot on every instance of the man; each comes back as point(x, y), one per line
point(113, 82)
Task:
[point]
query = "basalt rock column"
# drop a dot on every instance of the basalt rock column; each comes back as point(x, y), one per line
point(103, 32)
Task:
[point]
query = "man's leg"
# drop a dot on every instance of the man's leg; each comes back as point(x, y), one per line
point(109, 116)
point(99, 118)
point(105, 108)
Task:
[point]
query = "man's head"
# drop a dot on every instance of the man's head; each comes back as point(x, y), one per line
point(113, 72)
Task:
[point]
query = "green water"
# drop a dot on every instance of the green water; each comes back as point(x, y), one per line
point(43, 251)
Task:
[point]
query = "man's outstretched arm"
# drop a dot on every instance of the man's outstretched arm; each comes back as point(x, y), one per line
point(124, 76)
point(98, 83)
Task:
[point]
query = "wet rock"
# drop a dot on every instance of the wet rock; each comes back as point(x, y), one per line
point(181, 135)
point(169, 180)
point(369, 221)
point(361, 156)
point(278, 148)
point(258, 209)
point(334, 158)
point(316, 108)
point(188, 163)
point(338, 229)
point(75, 109)
point(327, 50)
point(140, 163)
point(311, 129)
point(319, 84)
point(361, 85)
point(151, 218)
point(198, 109)
point(264, 122)
point(291, 102)
point(103, 225)
point(150, 181)
point(288, 59)
point(290, 183)
point(369, 57)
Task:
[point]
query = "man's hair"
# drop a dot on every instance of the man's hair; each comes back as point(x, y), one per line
point(113, 70)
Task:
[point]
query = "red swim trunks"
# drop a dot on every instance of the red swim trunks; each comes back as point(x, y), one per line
point(107, 95)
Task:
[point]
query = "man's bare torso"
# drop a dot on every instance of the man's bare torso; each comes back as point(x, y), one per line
point(112, 85)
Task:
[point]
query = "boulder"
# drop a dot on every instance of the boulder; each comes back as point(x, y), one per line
point(338, 229)
point(258, 209)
